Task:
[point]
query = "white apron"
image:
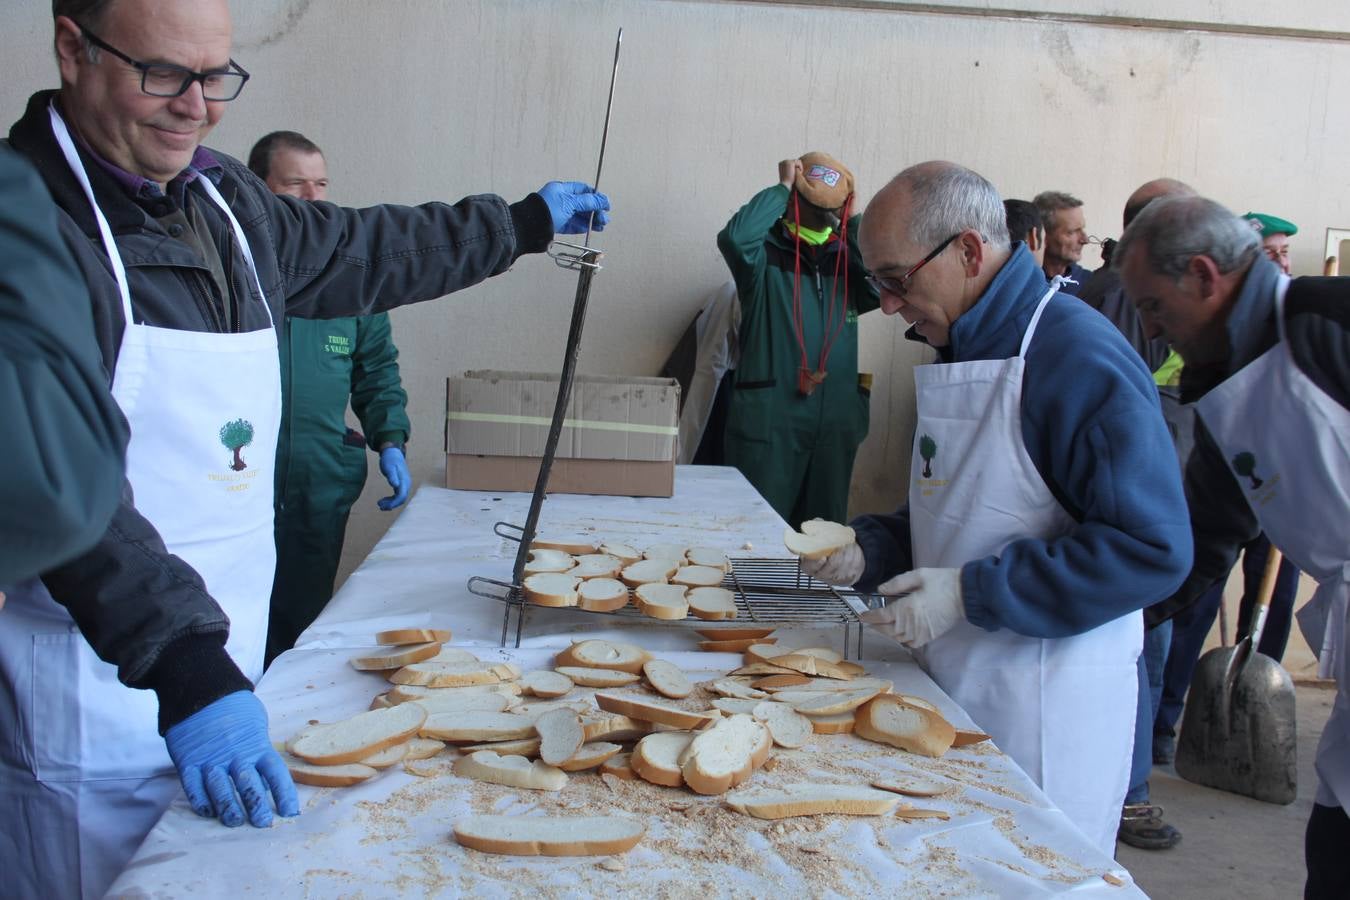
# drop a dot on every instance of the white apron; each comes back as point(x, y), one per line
point(204, 411)
point(1288, 445)
point(1063, 709)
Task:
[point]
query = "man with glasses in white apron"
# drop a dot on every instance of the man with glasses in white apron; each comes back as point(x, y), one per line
point(191, 263)
point(1268, 370)
point(1045, 505)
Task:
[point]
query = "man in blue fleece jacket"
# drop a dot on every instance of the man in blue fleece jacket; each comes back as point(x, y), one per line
point(1045, 504)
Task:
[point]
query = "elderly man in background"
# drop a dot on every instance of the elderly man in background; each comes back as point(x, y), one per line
point(1268, 369)
point(1065, 237)
point(1045, 504)
point(321, 463)
point(192, 264)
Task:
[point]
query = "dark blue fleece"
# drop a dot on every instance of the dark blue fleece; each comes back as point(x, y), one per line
point(1093, 427)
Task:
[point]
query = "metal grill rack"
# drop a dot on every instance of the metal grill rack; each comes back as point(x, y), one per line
point(768, 592)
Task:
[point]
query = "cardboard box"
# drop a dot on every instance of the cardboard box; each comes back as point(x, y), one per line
point(619, 436)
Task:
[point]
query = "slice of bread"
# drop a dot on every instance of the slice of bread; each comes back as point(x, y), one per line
point(402, 693)
point(736, 705)
point(674, 552)
point(413, 636)
point(610, 727)
point(698, 576)
point(726, 754)
point(708, 556)
point(966, 738)
point(619, 765)
point(536, 708)
point(912, 786)
point(920, 702)
point(645, 710)
point(762, 668)
point(827, 685)
point(597, 565)
point(803, 799)
point(765, 651)
point(730, 634)
point(825, 703)
point(560, 735)
point(667, 679)
point(602, 594)
point(394, 657)
point(548, 561)
point(454, 674)
point(327, 776)
point(387, 757)
point(549, 835)
point(626, 554)
point(590, 756)
point(811, 665)
point(727, 646)
point(452, 654)
point(661, 601)
point(837, 723)
point(572, 545)
point(528, 747)
point(423, 748)
point(656, 758)
point(469, 727)
point(825, 653)
point(596, 654)
point(818, 538)
point(456, 703)
point(887, 719)
point(363, 735)
point(543, 683)
point(553, 589)
point(779, 682)
point(648, 571)
point(382, 701)
point(788, 727)
point(715, 603)
point(587, 677)
point(729, 687)
point(512, 771)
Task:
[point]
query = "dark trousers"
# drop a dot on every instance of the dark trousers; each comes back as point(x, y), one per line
point(1327, 850)
point(1189, 629)
point(1281, 616)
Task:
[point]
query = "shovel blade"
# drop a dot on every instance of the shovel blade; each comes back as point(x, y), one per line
point(1238, 733)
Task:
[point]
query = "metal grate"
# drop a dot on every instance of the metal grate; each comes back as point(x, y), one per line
point(767, 591)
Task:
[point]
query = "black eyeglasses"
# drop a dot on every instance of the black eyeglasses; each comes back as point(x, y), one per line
point(168, 80)
point(896, 286)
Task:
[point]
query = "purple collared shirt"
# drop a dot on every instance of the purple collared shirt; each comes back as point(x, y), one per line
point(137, 187)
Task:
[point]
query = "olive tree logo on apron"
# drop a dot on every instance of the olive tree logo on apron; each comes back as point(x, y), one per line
point(1244, 464)
point(928, 450)
point(237, 435)
point(1261, 490)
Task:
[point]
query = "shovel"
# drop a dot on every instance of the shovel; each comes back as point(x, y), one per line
point(1238, 731)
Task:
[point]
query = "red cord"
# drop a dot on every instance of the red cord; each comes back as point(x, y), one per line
point(798, 324)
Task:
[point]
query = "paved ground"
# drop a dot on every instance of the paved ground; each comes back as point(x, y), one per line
point(1233, 846)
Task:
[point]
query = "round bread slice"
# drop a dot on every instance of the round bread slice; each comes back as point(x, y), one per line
point(636, 707)
point(677, 553)
point(453, 674)
point(327, 776)
point(607, 726)
point(560, 735)
point(387, 757)
point(528, 747)
point(726, 754)
point(543, 683)
point(765, 651)
point(423, 748)
point(553, 589)
point(662, 601)
point(570, 545)
point(731, 634)
point(598, 654)
point(919, 702)
point(452, 654)
point(597, 565)
point(838, 723)
point(363, 735)
point(602, 594)
point(789, 728)
point(912, 786)
point(733, 705)
point(729, 687)
point(888, 719)
point(806, 799)
point(468, 727)
point(818, 538)
point(548, 561)
point(549, 835)
point(413, 636)
point(648, 571)
point(708, 556)
point(779, 682)
point(717, 603)
point(667, 679)
point(395, 657)
point(512, 771)
point(537, 708)
point(458, 703)
point(402, 693)
point(825, 703)
point(619, 765)
point(590, 756)
point(728, 646)
point(626, 554)
point(698, 576)
point(588, 677)
point(656, 758)
point(880, 685)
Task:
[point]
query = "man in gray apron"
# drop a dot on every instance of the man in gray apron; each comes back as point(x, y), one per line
point(192, 265)
point(1045, 504)
point(1268, 370)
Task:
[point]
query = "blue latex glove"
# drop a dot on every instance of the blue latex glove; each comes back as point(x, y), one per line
point(571, 204)
point(394, 468)
point(224, 747)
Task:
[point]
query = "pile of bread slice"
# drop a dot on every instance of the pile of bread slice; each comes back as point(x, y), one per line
point(666, 581)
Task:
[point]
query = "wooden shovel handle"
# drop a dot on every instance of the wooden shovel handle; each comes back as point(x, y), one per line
point(1267, 589)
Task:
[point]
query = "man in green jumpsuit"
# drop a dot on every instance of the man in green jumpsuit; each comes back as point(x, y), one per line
point(321, 463)
point(799, 408)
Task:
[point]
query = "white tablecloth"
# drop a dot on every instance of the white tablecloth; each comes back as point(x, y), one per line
point(390, 837)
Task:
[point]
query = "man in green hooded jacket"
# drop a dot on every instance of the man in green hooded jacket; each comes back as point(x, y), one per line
point(799, 407)
point(321, 463)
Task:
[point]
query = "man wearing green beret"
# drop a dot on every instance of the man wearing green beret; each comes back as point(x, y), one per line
point(1275, 233)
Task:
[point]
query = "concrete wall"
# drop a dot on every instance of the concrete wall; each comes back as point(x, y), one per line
point(425, 99)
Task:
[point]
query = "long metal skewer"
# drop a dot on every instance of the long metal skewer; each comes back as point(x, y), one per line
point(585, 261)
